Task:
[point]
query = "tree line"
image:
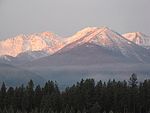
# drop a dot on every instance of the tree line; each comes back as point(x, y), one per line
point(86, 96)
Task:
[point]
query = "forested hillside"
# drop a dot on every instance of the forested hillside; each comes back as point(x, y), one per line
point(86, 96)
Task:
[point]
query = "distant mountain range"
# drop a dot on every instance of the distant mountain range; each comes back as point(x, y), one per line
point(97, 52)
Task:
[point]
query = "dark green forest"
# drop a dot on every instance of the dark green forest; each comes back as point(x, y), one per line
point(86, 96)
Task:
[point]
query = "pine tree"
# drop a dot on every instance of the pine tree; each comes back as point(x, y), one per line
point(1, 110)
point(72, 110)
point(133, 80)
point(30, 94)
point(10, 97)
point(5, 110)
point(133, 92)
point(95, 108)
point(19, 93)
point(110, 111)
point(104, 111)
point(78, 111)
point(67, 109)
point(37, 96)
point(10, 110)
point(3, 96)
point(99, 92)
point(84, 110)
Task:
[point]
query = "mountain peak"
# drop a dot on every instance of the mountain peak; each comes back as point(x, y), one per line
point(138, 38)
point(87, 32)
point(94, 28)
point(94, 33)
point(50, 42)
point(47, 33)
point(101, 36)
point(105, 28)
point(46, 41)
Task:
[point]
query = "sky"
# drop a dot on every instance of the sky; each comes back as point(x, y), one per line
point(66, 17)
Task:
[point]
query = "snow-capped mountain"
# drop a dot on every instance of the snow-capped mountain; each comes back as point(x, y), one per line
point(138, 38)
point(46, 41)
point(95, 46)
point(100, 36)
point(108, 39)
point(97, 53)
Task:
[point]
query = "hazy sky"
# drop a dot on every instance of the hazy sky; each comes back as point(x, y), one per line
point(65, 17)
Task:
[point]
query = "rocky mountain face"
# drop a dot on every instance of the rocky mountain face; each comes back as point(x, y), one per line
point(108, 39)
point(94, 46)
point(138, 38)
point(46, 41)
point(43, 44)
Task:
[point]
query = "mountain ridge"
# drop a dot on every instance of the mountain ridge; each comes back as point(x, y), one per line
point(138, 38)
point(95, 41)
point(45, 41)
point(97, 52)
point(50, 43)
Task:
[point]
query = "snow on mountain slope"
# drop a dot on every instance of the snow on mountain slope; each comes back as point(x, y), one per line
point(100, 36)
point(34, 46)
point(107, 38)
point(95, 46)
point(23, 57)
point(138, 38)
point(83, 33)
point(93, 51)
point(28, 57)
point(45, 41)
point(32, 55)
point(85, 54)
point(6, 59)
